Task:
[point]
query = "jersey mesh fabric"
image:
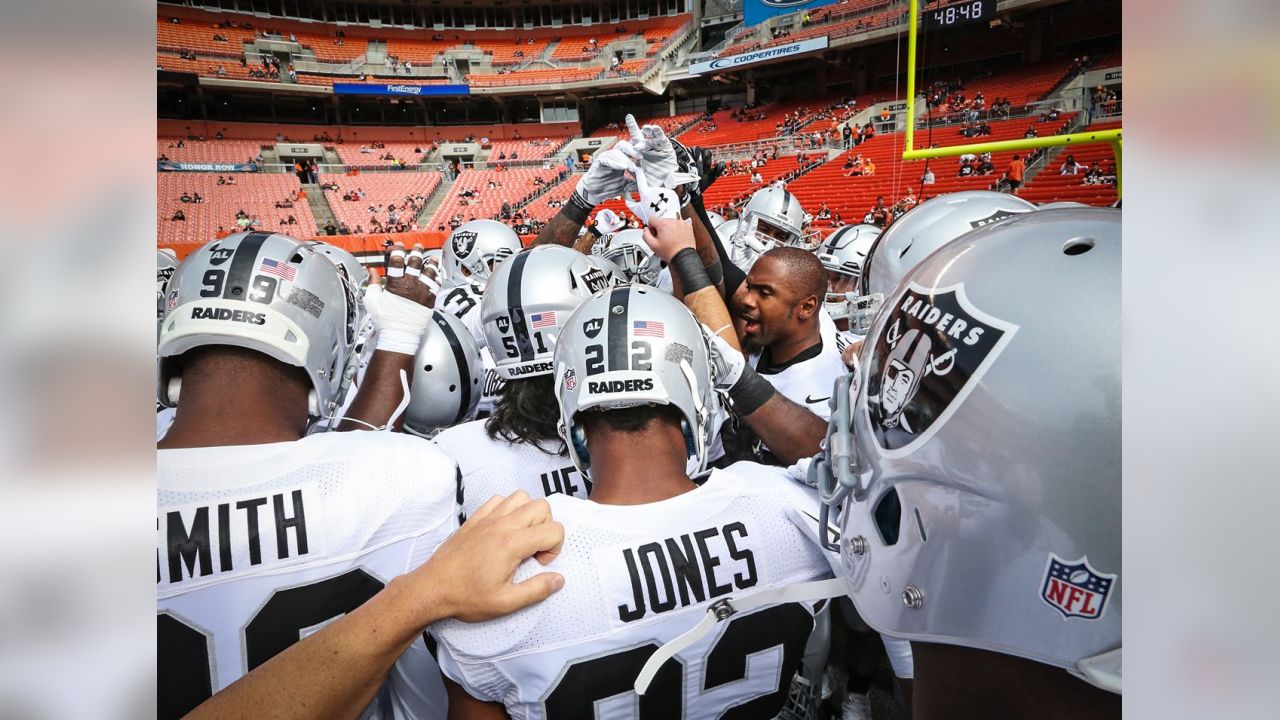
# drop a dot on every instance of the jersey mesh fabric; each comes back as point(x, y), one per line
point(496, 467)
point(463, 302)
point(517, 659)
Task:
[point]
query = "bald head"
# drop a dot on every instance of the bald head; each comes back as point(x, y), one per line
point(803, 272)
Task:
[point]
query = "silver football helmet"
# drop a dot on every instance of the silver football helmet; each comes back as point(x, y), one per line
point(922, 230)
point(629, 251)
point(166, 263)
point(475, 249)
point(527, 304)
point(448, 376)
point(352, 271)
point(772, 217)
point(613, 274)
point(716, 219)
point(1006, 339)
point(265, 292)
point(843, 254)
point(628, 346)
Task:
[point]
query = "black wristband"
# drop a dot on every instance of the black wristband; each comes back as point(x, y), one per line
point(750, 392)
point(687, 266)
point(577, 209)
point(715, 272)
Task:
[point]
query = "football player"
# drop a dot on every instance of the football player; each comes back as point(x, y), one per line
point(843, 254)
point(263, 531)
point(523, 312)
point(651, 551)
point(1005, 579)
point(772, 218)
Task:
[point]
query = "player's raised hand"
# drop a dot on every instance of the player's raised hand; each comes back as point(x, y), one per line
point(470, 575)
point(656, 155)
point(406, 279)
point(668, 236)
point(605, 178)
point(401, 311)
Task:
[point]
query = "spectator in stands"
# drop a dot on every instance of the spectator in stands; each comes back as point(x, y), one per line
point(837, 221)
point(966, 169)
point(927, 178)
point(756, 179)
point(221, 71)
point(985, 166)
point(222, 232)
point(1017, 167)
point(868, 168)
point(178, 216)
point(880, 215)
point(1031, 132)
point(824, 213)
point(186, 198)
point(195, 198)
point(846, 135)
point(1069, 166)
point(856, 169)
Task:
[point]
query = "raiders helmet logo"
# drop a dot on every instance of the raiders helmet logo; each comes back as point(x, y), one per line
point(463, 242)
point(934, 347)
point(595, 280)
point(504, 324)
point(994, 217)
point(592, 327)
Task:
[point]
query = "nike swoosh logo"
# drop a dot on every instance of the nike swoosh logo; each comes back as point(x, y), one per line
point(832, 529)
point(809, 399)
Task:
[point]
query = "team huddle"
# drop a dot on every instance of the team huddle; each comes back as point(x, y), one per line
point(778, 459)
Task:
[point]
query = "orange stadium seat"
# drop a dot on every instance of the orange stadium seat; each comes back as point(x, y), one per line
point(255, 193)
point(517, 184)
point(379, 189)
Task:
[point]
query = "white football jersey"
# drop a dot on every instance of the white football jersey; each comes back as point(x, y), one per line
point(496, 467)
point(164, 419)
point(463, 302)
point(664, 281)
point(258, 546)
point(492, 383)
point(807, 378)
point(635, 578)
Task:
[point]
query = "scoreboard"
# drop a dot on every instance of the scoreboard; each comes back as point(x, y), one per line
point(959, 14)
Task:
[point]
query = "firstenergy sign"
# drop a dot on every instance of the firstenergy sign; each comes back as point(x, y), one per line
point(736, 61)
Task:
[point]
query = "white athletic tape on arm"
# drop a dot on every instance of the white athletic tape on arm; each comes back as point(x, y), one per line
point(400, 322)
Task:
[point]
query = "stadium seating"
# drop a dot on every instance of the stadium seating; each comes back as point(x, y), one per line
point(534, 149)
point(729, 130)
point(537, 76)
point(540, 208)
point(379, 189)
point(517, 184)
point(224, 151)
point(1051, 186)
point(668, 125)
point(852, 197)
point(351, 153)
point(255, 193)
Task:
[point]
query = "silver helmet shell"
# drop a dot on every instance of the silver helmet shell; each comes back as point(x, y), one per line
point(981, 484)
point(628, 250)
point(265, 292)
point(528, 302)
point(166, 264)
point(772, 217)
point(634, 345)
point(448, 377)
point(844, 252)
point(474, 250)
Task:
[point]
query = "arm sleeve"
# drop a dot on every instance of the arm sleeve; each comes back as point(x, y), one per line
point(733, 275)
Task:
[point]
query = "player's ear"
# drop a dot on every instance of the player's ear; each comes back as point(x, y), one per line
point(807, 307)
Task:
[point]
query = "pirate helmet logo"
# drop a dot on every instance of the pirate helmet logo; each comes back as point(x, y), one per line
point(463, 242)
point(934, 347)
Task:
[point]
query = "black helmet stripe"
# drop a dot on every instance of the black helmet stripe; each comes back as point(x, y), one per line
point(619, 357)
point(460, 360)
point(243, 263)
point(518, 324)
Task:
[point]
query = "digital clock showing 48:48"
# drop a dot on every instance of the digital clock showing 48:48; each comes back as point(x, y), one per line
point(959, 14)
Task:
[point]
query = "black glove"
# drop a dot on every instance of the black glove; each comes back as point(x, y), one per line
point(706, 166)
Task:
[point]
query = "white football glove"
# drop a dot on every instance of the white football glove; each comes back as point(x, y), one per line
point(653, 201)
point(608, 222)
point(604, 179)
point(651, 147)
point(727, 363)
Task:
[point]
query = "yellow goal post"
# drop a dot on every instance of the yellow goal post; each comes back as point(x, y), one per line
point(910, 152)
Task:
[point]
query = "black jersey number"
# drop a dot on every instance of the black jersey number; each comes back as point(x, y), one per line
point(588, 681)
point(459, 301)
point(184, 672)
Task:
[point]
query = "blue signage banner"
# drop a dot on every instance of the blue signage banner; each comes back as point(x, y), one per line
point(399, 89)
point(208, 167)
point(757, 11)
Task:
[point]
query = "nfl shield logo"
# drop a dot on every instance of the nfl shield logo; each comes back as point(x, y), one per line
point(1075, 589)
point(570, 379)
